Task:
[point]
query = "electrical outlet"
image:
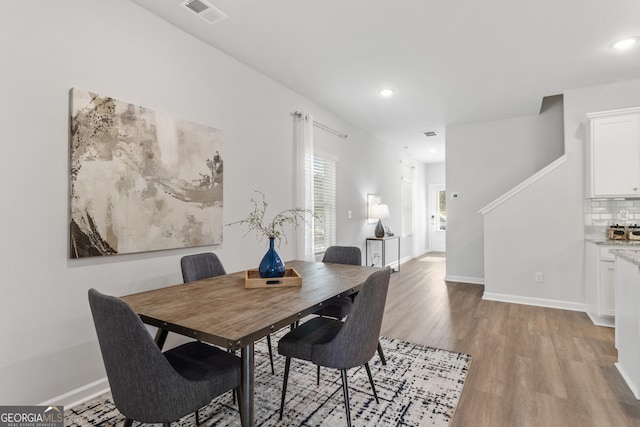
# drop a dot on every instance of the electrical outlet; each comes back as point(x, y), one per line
point(539, 276)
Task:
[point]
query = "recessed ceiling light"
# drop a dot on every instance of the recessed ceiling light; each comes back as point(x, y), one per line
point(625, 44)
point(386, 93)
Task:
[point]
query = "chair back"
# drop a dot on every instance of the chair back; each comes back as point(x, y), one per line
point(343, 255)
point(201, 266)
point(137, 370)
point(357, 341)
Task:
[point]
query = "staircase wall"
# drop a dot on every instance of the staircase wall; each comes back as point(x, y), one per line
point(485, 160)
point(541, 228)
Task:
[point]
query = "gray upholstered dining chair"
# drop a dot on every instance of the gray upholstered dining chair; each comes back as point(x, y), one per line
point(341, 307)
point(204, 265)
point(148, 385)
point(341, 345)
point(201, 266)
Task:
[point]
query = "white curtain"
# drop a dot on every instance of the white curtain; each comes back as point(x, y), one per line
point(303, 181)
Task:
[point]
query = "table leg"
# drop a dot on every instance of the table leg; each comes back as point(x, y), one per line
point(366, 252)
point(161, 337)
point(247, 384)
point(384, 255)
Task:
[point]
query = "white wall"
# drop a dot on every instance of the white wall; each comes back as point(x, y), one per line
point(435, 173)
point(550, 234)
point(548, 237)
point(118, 49)
point(364, 169)
point(484, 160)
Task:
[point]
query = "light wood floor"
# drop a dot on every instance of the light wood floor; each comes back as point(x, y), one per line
point(531, 366)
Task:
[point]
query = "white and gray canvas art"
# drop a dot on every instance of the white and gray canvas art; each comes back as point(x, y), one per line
point(141, 180)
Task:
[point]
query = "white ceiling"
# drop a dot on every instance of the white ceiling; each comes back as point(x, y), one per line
point(450, 61)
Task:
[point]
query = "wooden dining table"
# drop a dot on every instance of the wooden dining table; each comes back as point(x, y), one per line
point(221, 311)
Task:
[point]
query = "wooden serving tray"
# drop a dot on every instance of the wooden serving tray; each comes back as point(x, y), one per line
point(291, 277)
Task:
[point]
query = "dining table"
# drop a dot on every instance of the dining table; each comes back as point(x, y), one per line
point(222, 311)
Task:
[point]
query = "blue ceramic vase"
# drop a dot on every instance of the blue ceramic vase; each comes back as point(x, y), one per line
point(271, 265)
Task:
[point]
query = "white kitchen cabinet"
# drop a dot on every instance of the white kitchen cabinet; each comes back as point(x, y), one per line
point(600, 277)
point(613, 154)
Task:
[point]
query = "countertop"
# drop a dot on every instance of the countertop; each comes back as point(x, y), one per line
point(601, 240)
point(630, 255)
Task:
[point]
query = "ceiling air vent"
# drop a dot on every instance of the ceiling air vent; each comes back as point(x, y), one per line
point(204, 10)
point(430, 133)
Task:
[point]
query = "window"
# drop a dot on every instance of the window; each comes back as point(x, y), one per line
point(324, 202)
point(442, 211)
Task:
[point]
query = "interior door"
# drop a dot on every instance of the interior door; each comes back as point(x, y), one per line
point(437, 217)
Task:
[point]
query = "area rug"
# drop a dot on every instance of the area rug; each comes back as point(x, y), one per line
point(419, 386)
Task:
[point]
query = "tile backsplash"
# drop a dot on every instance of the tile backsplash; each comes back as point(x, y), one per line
point(599, 214)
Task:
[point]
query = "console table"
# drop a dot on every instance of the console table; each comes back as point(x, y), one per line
point(383, 242)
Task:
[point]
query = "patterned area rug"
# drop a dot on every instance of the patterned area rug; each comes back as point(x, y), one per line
point(419, 386)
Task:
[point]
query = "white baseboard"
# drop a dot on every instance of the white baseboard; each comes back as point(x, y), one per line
point(405, 259)
point(80, 395)
point(539, 302)
point(627, 379)
point(464, 279)
point(422, 252)
point(609, 322)
point(395, 264)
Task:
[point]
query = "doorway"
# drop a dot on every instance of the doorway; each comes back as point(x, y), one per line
point(437, 217)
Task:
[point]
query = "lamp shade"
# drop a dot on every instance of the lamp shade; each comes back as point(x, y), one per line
point(380, 211)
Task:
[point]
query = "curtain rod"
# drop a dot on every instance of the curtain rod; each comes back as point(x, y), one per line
point(323, 127)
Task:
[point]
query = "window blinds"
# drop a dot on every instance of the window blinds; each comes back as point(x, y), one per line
point(324, 202)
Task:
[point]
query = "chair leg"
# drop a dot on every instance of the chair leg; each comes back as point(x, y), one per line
point(381, 354)
point(318, 376)
point(166, 424)
point(345, 390)
point(373, 386)
point(128, 422)
point(236, 392)
point(197, 417)
point(287, 365)
point(273, 372)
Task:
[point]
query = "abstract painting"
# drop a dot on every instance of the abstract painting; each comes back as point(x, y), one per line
point(141, 180)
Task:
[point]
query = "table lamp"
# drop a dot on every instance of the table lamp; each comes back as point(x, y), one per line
point(380, 212)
